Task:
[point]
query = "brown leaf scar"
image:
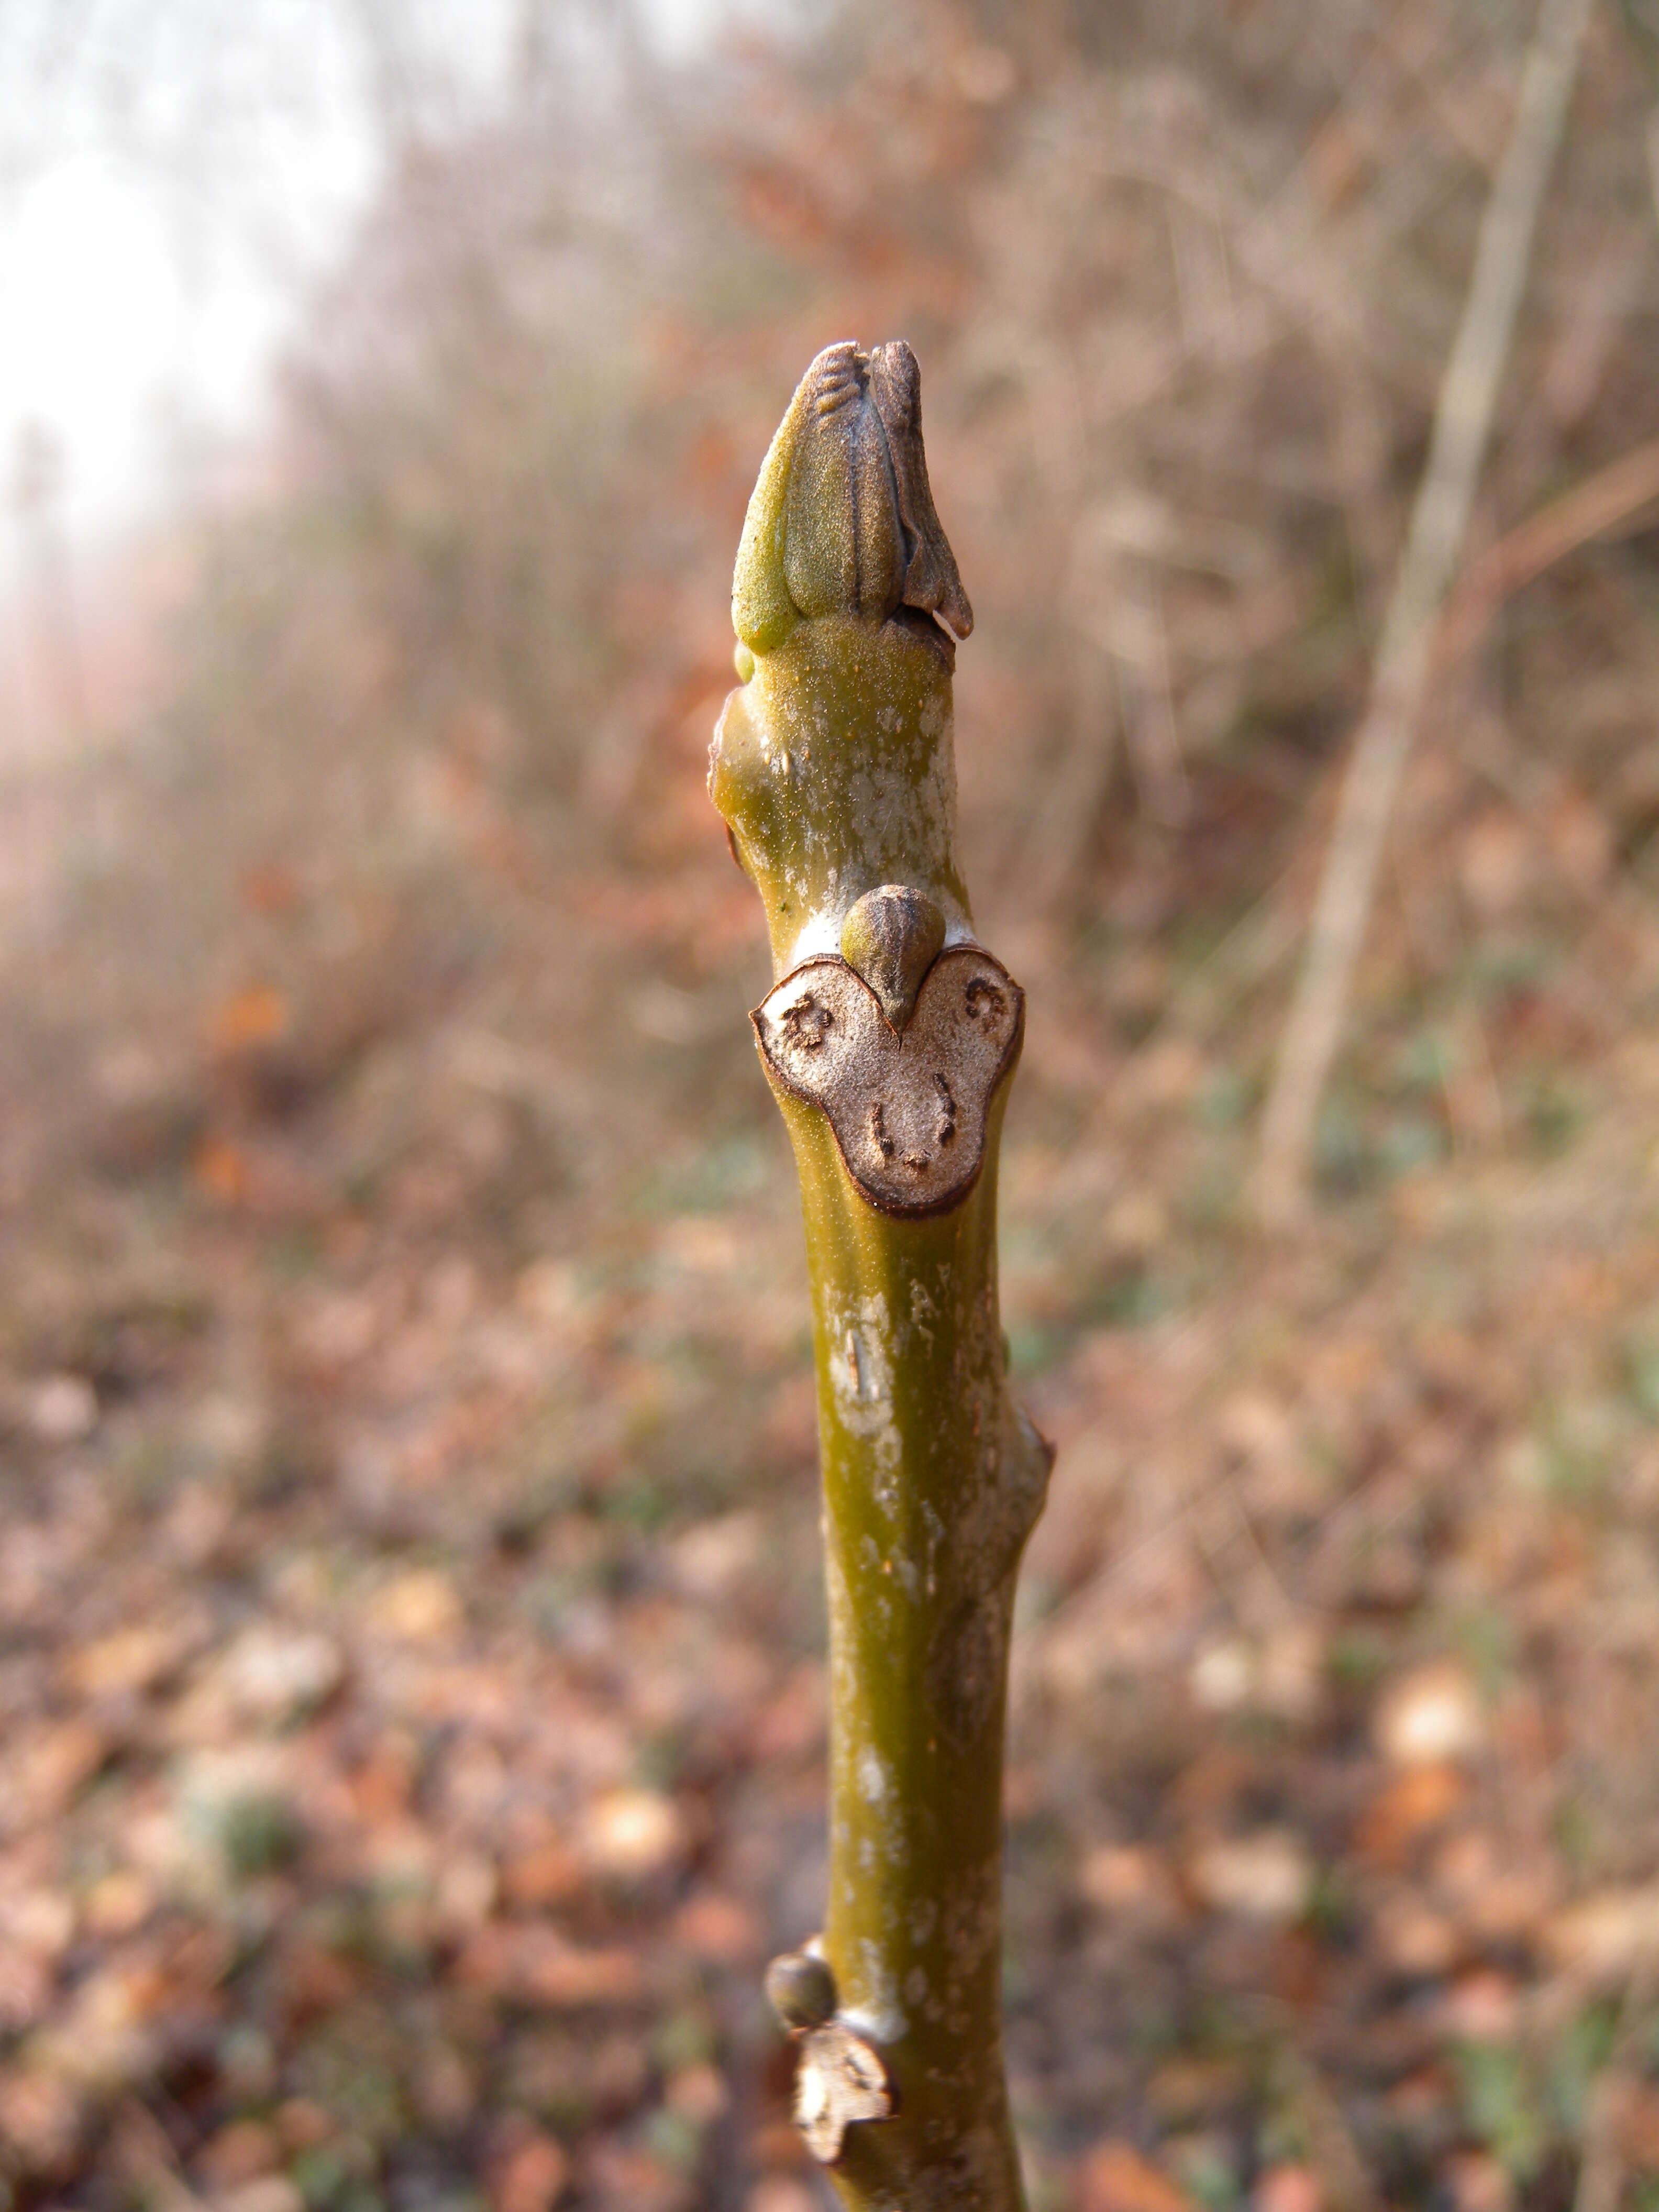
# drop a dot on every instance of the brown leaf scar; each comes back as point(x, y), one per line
point(840, 2078)
point(908, 1108)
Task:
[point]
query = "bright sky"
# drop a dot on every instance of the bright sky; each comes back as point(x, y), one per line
point(116, 346)
point(167, 190)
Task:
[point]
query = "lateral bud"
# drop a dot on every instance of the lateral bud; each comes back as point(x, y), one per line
point(801, 1989)
point(892, 936)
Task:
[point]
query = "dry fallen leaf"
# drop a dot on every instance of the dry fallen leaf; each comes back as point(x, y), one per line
point(128, 1662)
point(274, 1675)
point(47, 1765)
point(1265, 1876)
point(240, 2152)
point(1411, 1805)
point(1604, 1934)
point(633, 1832)
point(1115, 2178)
point(531, 1965)
point(62, 1408)
point(417, 1608)
point(255, 1016)
point(778, 2193)
point(1431, 1715)
point(1288, 2189)
point(271, 2192)
point(720, 1928)
point(532, 2179)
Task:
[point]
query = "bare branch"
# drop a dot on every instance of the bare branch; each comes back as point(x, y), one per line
point(1404, 661)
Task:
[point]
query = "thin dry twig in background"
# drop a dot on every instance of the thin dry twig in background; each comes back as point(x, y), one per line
point(1600, 504)
point(1405, 655)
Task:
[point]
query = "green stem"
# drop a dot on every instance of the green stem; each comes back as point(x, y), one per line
point(833, 768)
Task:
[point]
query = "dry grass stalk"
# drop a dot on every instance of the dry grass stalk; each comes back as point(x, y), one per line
point(1404, 654)
point(1612, 496)
point(1602, 2172)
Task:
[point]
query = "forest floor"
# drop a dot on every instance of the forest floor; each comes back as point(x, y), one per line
point(413, 1684)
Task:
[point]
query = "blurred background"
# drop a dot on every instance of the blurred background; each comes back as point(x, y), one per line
point(410, 1636)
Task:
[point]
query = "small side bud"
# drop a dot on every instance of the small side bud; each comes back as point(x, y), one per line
point(801, 1989)
point(893, 936)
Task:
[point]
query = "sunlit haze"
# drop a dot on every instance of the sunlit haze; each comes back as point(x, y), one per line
point(151, 265)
